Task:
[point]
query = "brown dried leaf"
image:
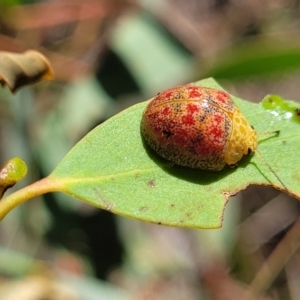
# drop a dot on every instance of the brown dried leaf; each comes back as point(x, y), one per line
point(17, 70)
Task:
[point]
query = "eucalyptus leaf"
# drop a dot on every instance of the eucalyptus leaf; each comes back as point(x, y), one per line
point(258, 57)
point(113, 169)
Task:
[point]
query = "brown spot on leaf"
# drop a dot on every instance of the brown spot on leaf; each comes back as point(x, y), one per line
point(189, 214)
point(106, 204)
point(228, 194)
point(143, 208)
point(151, 183)
point(199, 207)
point(172, 205)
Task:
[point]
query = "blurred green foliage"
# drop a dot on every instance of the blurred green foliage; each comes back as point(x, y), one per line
point(107, 56)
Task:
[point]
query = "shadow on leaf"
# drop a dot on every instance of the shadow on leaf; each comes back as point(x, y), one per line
point(197, 176)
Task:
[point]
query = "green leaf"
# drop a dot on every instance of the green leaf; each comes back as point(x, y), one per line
point(256, 58)
point(111, 168)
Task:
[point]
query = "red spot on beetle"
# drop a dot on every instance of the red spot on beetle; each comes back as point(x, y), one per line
point(222, 97)
point(194, 92)
point(217, 136)
point(217, 119)
point(167, 94)
point(165, 111)
point(192, 108)
point(188, 120)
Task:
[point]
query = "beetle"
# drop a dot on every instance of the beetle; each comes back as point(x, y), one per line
point(197, 127)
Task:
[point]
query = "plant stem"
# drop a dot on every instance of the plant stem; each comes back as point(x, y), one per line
point(275, 262)
point(35, 189)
